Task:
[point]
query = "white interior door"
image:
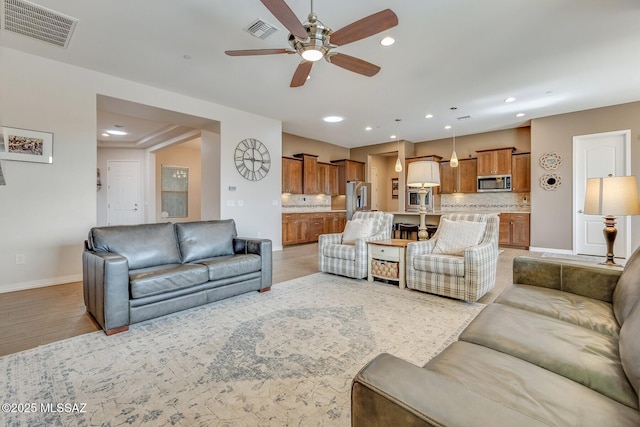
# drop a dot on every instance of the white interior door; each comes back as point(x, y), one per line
point(123, 192)
point(595, 156)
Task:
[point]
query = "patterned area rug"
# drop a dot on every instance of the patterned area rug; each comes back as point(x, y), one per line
point(282, 358)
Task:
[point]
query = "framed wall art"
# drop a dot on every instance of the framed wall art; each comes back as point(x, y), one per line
point(394, 188)
point(27, 145)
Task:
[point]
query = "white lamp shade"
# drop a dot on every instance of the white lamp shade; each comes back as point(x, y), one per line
point(423, 173)
point(614, 195)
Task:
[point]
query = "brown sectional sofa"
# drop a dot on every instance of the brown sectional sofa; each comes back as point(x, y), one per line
point(561, 347)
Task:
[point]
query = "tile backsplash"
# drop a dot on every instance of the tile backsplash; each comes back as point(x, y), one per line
point(305, 203)
point(454, 202)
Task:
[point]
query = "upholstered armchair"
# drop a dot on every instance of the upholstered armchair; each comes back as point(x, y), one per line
point(350, 258)
point(459, 261)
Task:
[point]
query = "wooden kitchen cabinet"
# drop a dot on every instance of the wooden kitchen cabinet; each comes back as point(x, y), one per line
point(309, 173)
point(291, 175)
point(461, 179)
point(306, 227)
point(327, 179)
point(521, 172)
point(494, 162)
point(514, 230)
point(348, 170)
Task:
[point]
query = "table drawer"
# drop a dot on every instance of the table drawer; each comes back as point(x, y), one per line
point(385, 252)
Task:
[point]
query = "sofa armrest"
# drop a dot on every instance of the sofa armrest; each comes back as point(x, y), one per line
point(389, 391)
point(106, 289)
point(262, 247)
point(589, 280)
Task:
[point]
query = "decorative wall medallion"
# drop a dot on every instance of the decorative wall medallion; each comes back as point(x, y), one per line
point(550, 181)
point(550, 161)
point(252, 159)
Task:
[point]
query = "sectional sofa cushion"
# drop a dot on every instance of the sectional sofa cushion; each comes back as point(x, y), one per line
point(205, 239)
point(630, 349)
point(627, 292)
point(232, 265)
point(579, 354)
point(157, 280)
point(144, 245)
point(590, 313)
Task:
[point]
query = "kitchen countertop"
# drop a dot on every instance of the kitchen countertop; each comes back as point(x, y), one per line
point(470, 211)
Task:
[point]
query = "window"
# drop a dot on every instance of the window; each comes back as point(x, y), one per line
point(175, 191)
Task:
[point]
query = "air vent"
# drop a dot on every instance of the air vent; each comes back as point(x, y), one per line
point(260, 29)
point(461, 118)
point(37, 22)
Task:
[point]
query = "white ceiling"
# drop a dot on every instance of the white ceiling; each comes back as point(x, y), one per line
point(553, 56)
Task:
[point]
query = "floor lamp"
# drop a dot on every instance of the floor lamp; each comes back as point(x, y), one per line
point(610, 196)
point(423, 174)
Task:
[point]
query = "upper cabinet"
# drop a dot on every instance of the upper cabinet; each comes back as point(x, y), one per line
point(327, 179)
point(461, 179)
point(348, 170)
point(494, 162)
point(291, 175)
point(309, 173)
point(521, 172)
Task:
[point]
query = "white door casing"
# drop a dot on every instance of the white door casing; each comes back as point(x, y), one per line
point(594, 156)
point(123, 192)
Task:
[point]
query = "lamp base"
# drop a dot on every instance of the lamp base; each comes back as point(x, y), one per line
point(610, 232)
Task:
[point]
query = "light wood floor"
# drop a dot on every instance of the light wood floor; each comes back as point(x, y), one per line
point(40, 316)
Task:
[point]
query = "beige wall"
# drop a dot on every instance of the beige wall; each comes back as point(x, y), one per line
point(293, 144)
point(552, 211)
point(183, 155)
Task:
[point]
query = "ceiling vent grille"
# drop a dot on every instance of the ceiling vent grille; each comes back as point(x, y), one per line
point(37, 22)
point(260, 29)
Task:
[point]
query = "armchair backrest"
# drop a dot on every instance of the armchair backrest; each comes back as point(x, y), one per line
point(382, 222)
point(491, 230)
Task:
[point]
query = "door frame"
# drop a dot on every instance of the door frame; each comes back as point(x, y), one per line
point(578, 205)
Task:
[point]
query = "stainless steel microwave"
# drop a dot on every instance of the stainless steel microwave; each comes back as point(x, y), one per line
point(413, 199)
point(494, 183)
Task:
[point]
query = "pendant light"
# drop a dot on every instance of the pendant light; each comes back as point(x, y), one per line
point(398, 162)
point(454, 157)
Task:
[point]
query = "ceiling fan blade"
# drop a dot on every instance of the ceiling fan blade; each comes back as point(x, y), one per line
point(353, 64)
point(365, 27)
point(285, 15)
point(301, 74)
point(248, 52)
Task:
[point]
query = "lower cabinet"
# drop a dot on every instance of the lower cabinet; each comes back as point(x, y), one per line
point(306, 227)
point(514, 230)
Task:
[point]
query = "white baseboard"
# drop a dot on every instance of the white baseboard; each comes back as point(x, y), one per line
point(40, 283)
point(277, 248)
point(552, 250)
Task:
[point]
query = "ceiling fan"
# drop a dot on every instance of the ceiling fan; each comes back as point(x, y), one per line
point(314, 41)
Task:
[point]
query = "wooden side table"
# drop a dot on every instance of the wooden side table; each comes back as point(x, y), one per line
point(386, 260)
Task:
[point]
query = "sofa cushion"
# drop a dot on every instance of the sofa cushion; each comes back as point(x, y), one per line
point(580, 354)
point(528, 389)
point(347, 252)
point(455, 236)
point(143, 245)
point(205, 239)
point(156, 280)
point(232, 265)
point(627, 292)
point(357, 229)
point(630, 349)
point(587, 312)
point(449, 265)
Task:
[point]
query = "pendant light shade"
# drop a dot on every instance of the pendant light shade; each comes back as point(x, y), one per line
point(454, 157)
point(398, 162)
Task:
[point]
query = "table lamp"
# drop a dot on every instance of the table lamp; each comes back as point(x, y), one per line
point(423, 174)
point(610, 196)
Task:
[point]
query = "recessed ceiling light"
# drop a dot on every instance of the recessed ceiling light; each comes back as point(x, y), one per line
point(387, 41)
point(393, 136)
point(105, 134)
point(333, 119)
point(520, 115)
point(368, 128)
point(510, 99)
point(429, 116)
point(116, 132)
point(447, 127)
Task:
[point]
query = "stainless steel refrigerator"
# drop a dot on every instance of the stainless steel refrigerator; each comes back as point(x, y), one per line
point(358, 197)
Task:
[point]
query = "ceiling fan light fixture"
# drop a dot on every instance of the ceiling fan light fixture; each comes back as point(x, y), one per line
point(312, 54)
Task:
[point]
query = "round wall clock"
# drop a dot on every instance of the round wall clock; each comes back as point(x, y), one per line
point(252, 159)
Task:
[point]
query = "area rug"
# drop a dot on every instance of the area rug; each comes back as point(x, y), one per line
point(282, 358)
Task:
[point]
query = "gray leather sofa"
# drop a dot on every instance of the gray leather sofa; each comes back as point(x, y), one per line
point(561, 347)
point(138, 272)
